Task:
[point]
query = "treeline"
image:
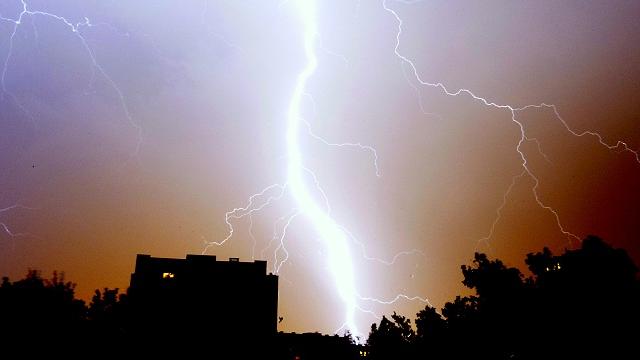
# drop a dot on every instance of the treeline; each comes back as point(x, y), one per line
point(42, 315)
point(584, 303)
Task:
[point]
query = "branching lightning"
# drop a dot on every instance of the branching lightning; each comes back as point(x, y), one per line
point(395, 299)
point(619, 145)
point(248, 210)
point(6, 229)
point(301, 183)
point(76, 30)
point(488, 237)
point(339, 258)
point(335, 237)
point(357, 145)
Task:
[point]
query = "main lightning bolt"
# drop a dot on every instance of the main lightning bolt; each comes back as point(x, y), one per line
point(301, 181)
point(335, 239)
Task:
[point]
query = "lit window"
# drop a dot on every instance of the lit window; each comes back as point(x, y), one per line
point(168, 275)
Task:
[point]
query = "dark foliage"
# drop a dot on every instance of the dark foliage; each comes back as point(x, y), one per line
point(584, 303)
point(392, 338)
point(37, 312)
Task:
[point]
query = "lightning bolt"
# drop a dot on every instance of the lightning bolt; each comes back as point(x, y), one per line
point(248, 210)
point(7, 229)
point(499, 209)
point(339, 257)
point(619, 145)
point(395, 299)
point(76, 30)
point(301, 182)
point(335, 237)
point(300, 179)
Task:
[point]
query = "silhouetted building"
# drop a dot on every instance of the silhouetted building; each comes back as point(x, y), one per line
point(199, 298)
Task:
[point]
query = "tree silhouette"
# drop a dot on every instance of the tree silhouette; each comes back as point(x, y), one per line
point(392, 337)
point(40, 311)
point(431, 330)
point(108, 316)
point(583, 303)
point(491, 278)
point(589, 296)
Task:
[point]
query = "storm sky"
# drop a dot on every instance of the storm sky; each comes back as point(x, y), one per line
point(134, 126)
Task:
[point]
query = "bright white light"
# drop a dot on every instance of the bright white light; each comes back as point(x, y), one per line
point(335, 239)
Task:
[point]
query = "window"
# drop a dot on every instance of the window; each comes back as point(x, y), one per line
point(168, 275)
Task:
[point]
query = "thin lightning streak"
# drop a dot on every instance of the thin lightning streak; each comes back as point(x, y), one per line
point(342, 327)
point(512, 110)
point(75, 29)
point(617, 146)
point(316, 182)
point(425, 112)
point(534, 189)
point(373, 314)
point(499, 210)
point(379, 260)
point(6, 64)
point(219, 37)
point(12, 234)
point(36, 34)
point(249, 209)
point(277, 266)
point(394, 258)
point(275, 235)
point(333, 53)
point(7, 229)
point(368, 311)
point(395, 299)
point(544, 156)
point(17, 206)
point(358, 145)
point(418, 94)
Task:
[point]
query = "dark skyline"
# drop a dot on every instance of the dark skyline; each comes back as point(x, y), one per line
point(578, 303)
